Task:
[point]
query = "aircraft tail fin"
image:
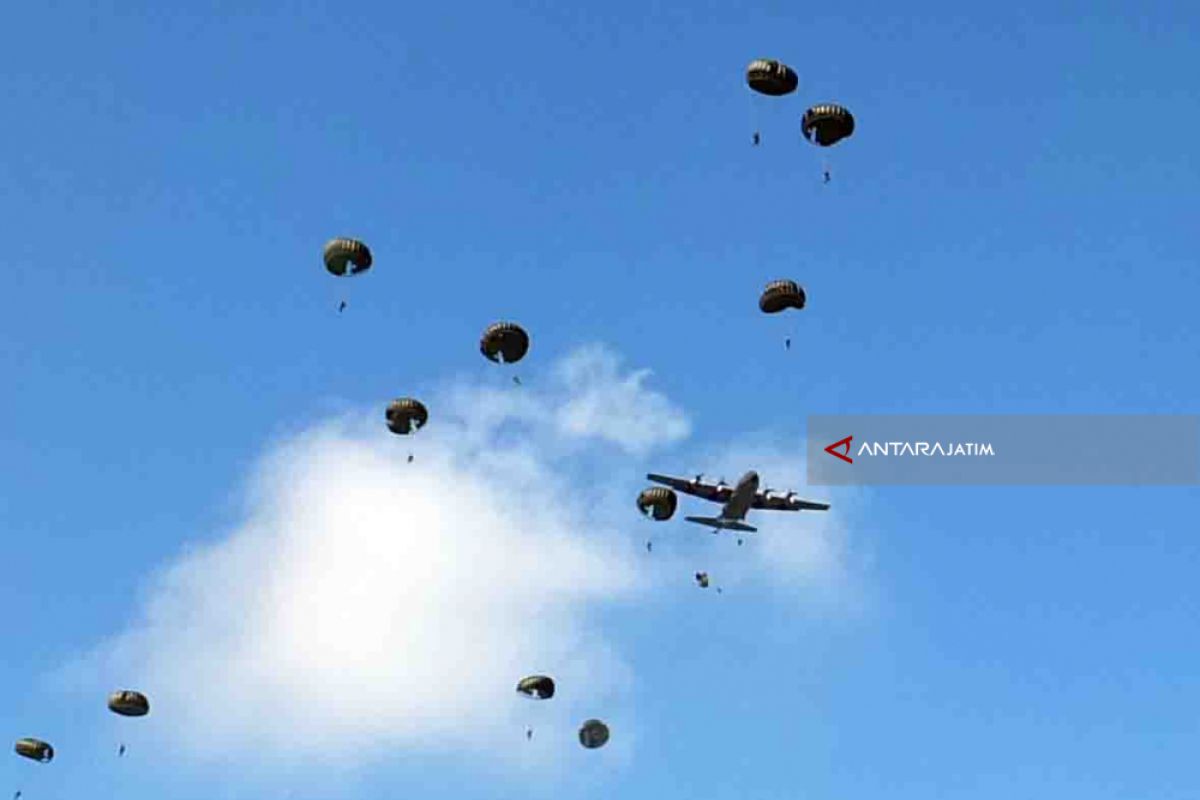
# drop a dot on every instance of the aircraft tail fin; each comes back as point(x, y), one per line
point(724, 524)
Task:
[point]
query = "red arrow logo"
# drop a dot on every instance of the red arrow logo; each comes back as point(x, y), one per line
point(845, 456)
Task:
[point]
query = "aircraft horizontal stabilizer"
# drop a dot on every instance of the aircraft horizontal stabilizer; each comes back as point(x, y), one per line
point(724, 524)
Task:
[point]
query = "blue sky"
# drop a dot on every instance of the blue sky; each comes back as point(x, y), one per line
point(1011, 229)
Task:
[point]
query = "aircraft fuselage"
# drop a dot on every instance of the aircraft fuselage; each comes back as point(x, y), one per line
point(743, 497)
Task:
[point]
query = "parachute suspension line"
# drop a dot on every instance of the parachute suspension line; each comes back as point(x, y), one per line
point(752, 115)
point(336, 295)
point(789, 331)
point(835, 90)
point(340, 295)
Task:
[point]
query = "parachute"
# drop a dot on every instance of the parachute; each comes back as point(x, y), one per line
point(35, 749)
point(406, 415)
point(827, 124)
point(658, 502)
point(780, 295)
point(505, 342)
point(593, 734)
point(345, 257)
point(538, 687)
point(770, 77)
point(128, 703)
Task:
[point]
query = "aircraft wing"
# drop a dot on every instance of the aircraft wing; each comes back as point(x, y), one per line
point(785, 502)
point(717, 493)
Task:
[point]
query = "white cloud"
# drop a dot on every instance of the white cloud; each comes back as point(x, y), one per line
point(367, 604)
point(587, 399)
point(605, 405)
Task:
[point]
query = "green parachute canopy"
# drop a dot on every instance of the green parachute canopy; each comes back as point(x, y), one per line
point(539, 687)
point(827, 124)
point(658, 502)
point(593, 734)
point(406, 415)
point(770, 77)
point(505, 342)
point(780, 295)
point(128, 703)
point(35, 749)
point(345, 257)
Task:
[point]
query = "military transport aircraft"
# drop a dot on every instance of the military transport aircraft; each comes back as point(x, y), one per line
point(737, 500)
